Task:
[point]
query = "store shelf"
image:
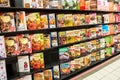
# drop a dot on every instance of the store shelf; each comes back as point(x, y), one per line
point(93, 64)
point(48, 30)
point(52, 10)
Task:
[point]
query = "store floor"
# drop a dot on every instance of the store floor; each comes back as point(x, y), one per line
point(109, 70)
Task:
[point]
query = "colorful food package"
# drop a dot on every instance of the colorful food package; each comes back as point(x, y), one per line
point(111, 18)
point(60, 20)
point(82, 5)
point(93, 18)
point(105, 30)
point(11, 44)
point(72, 65)
point(82, 19)
point(55, 4)
point(82, 34)
point(71, 52)
point(94, 42)
point(88, 33)
point(33, 21)
point(109, 41)
point(27, 77)
point(93, 32)
point(21, 21)
point(37, 42)
point(111, 6)
point(93, 4)
point(7, 22)
point(102, 43)
point(5, 3)
point(78, 63)
point(46, 4)
point(24, 41)
point(34, 3)
point(62, 38)
point(76, 20)
point(76, 35)
point(27, 3)
point(37, 61)
point(64, 54)
point(100, 5)
point(108, 52)
point(87, 19)
point(54, 39)
point(87, 60)
point(3, 74)
point(89, 46)
point(117, 47)
point(47, 41)
point(111, 27)
point(106, 18)
point(115, 28)
point(39, 3)
point(68, 4)
point(52, 20)
point(68, 20)
point(83, 50)
point(99, 19)
point(70, 36)
point(2, 47)
point(99, 31)
point(98, 44)
point(56, 72)
point(43, 21)
point(87, 5)
point(98, 56)
point(65, 68)
point(93, 56)
point(102, 54)
point(23, 64)
point(77, 50)
point(48, 74)
point(78, 4)
point(39, 76)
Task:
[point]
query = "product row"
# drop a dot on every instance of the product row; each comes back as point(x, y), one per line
point(22, 21)
point(28, 43)
point(104, 5)
point(36, 61)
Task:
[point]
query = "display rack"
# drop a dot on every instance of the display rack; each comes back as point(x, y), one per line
point(51, 54)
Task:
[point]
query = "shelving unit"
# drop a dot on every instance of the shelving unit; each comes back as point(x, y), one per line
point(51, 54)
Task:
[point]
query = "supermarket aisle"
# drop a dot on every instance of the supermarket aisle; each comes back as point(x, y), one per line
point(109, 70)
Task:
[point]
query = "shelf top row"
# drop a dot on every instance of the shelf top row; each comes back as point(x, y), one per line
point(52, 10)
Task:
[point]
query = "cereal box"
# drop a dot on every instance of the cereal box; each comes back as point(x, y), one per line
point(87, 5)
point(3, 74)
point(78, 63)
point(21, 21)
point(54, 39)
point(68, 20)
point(72, 52)
point(62, 38)
point(55, 4)
point(24, 41)
point(48, 74)
point(7, 22)
point(39, 3)
point(93, 4)
point(76, 35)
point(82, 5)
point(47, 41)
point(93, 56)
point(76, 19)
point(93, 18)
point(44, 21)
point(87, 19)
point(11, 44)
point(37, 41)
point(39, 76)
point(65, 68)
point(27, 3)
point(56, 72)
point(70, 36)
point(46, 4)
point(5, 3)
point(87, 60)
point(99, 19)
point(52, 20)
point(64, 54)
point(82, 19)
point(2, 47)
point(23, 64)
point(102, 54)
point(77, 50)
point(33, 21)
point(60, 20)
point(37, 61)
point(83, 50)
point(72, 65)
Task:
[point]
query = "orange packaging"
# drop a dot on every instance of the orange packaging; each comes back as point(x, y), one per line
point(111, 6)
point(82, 4)
point(111, 27)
